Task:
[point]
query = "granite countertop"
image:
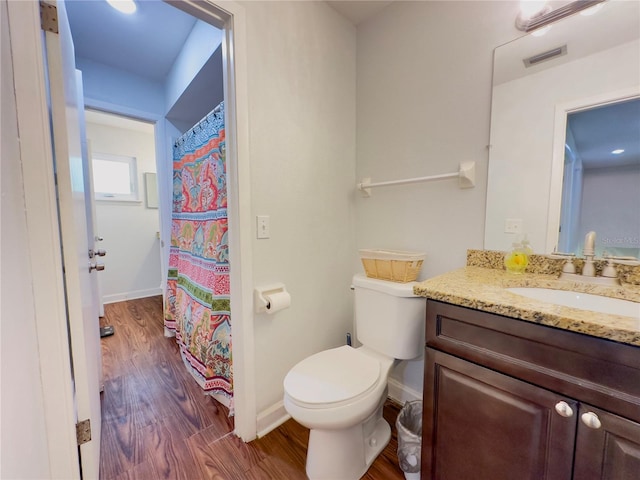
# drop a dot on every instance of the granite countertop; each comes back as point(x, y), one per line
point(483, 288)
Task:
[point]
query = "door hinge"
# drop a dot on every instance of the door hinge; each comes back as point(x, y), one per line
point(83, 431)
point(48, 17)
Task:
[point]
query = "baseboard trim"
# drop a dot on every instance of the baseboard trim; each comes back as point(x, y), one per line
point(271, 418)
point(120, 297)
point(401, 393)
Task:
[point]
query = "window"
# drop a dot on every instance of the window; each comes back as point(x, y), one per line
point(115, 177)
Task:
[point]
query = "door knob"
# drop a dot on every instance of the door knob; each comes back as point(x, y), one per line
point(96, 266)
point(564, 409)
point(591, 420)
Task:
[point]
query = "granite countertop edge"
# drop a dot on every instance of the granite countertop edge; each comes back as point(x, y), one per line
point(484, 289)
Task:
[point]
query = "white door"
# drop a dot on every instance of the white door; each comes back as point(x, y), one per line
point(70, 167)
point(90, 206)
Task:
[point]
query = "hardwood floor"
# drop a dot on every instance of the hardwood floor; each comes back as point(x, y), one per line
point(157, 423)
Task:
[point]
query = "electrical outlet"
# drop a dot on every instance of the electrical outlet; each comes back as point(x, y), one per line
point(513, 225)
point(262, 226)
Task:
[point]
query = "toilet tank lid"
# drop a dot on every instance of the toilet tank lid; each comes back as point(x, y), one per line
point(391, 288)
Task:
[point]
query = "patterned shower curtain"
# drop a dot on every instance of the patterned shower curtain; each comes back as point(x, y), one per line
point(197, 308)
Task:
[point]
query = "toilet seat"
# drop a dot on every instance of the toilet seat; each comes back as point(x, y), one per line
point(332, 378)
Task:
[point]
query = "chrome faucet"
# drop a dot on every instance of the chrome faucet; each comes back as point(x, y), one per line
point(609, 273)
point(589, 251)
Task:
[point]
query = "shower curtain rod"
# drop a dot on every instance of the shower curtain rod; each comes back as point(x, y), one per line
point(466, 176)
point(199, 122)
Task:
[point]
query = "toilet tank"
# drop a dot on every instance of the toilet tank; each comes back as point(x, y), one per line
point(389, 318)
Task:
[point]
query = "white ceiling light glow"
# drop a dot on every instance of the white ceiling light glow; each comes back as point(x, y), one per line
point(541, 31)
point(124, 6)
point(532, 8)
point(592, 11)
point(617, 151)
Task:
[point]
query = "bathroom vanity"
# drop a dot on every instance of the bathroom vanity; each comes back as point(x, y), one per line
point(521, 389)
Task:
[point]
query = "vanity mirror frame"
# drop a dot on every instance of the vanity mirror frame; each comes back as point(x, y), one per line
point(562, 113)
point(526, 159)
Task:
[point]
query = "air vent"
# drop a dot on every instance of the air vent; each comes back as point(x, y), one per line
point(543, 57)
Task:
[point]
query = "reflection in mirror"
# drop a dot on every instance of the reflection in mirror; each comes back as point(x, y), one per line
point(530, 104)
point(601, 182)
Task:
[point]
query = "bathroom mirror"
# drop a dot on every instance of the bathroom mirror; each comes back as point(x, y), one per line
point(581, 63)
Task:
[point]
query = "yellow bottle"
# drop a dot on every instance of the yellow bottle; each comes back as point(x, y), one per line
point(516, 260)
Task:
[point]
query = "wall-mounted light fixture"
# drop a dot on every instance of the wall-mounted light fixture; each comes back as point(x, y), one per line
point(535, 15)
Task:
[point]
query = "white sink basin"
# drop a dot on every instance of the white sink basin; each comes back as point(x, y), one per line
point(583, 301)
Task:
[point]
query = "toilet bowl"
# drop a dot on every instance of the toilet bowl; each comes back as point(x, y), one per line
point(339, 393)
point(336, 388)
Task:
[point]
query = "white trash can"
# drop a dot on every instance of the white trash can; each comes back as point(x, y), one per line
point(409, 425)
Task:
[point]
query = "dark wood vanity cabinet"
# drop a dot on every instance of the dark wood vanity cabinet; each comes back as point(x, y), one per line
point(507, 399)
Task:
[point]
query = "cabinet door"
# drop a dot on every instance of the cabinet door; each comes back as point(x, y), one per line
point(480, 424)
point(607, 446)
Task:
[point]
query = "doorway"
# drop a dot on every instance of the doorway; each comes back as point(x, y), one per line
point(145, 101)
point(123, 157)
point(59, 410)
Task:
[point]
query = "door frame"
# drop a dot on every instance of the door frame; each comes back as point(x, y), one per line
point(44, 232)
point(160, 146)
point(230, 17)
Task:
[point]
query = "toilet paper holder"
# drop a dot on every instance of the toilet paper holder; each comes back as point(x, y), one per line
point(261, 295)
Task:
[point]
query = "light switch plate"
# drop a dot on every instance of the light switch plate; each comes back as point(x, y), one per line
point(262, 226)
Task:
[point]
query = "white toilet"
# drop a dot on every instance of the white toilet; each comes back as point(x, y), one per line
point(339, 393)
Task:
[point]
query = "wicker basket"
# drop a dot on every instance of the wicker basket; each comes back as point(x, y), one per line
point(392, 265)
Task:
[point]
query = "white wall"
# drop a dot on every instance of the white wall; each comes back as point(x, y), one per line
point(116, 87)
point(521, 163)
point(423, 100)
point(203, 40)
point(129, 229)
point(617, 219)
point(301, 89)
point(23, 436)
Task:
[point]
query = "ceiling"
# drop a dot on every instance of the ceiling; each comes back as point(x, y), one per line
point(358, 11)
point(145, 43)
point(133, 43)
point(600, 130)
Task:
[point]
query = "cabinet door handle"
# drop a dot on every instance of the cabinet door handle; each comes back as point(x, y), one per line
point(591, 420)
point(564, 409)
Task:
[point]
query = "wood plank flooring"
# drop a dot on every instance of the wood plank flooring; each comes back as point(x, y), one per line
point(157, 423)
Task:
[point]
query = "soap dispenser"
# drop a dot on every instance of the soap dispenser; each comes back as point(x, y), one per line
point(517, 259)
point(526, 246)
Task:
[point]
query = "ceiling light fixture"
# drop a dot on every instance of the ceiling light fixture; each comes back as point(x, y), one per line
point(617, 151)
point(124, 6)
point(533, 8)
point(528, 22)
point(530, 10)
